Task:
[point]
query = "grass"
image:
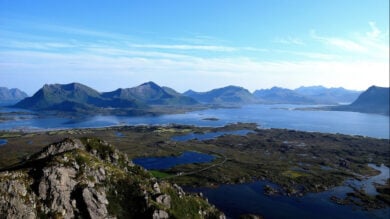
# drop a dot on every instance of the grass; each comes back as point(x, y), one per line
point(159, 174)
point(293, 174)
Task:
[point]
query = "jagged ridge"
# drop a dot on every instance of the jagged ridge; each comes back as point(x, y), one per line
point(88, 178)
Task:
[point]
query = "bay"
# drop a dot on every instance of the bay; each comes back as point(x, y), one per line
point(266, 116)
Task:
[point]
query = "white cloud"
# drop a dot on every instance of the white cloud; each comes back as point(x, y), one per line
point(375, 32)
point(189, 72)
point(345, 44)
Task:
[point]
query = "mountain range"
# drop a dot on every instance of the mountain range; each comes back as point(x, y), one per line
point(149, 97)
point(306, 95)
point(11, 96)
point(77, 97)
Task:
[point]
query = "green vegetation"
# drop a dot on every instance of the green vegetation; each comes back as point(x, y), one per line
point(159, 174)
point(298, 161)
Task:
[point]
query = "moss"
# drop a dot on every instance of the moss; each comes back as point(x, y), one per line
point(159, 174)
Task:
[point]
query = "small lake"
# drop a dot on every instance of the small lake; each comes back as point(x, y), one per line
point(209, 135)
point(163, 163)
point(266, 116)
point(239, 199)
point(3, 141)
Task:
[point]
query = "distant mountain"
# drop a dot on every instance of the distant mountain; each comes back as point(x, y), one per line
point(77, 97)
point(281, 95)
point(69, 97)
point(323, 95)
point(11, 96)
point(226, 95)
point(373, 100)
point(306, 95)
point(151, 93)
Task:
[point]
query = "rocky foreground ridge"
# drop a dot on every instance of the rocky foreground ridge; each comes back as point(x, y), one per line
point(88, 178)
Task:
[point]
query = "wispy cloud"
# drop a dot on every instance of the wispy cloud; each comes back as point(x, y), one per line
point(186, 47)
point(374, 44)
point(345, 44)
point(119, 59)
point(289, 41)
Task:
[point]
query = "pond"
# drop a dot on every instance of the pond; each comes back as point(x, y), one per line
point(239, 199)
point(163, 163)
point(3, 141)
point(209, 135)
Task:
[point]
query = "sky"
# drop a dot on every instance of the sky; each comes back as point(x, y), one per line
point(194, 44)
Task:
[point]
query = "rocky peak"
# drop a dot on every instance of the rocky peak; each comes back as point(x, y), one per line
point(67, 144)
point(89, 178)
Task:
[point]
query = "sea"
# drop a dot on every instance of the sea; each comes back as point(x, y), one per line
point(285, 116)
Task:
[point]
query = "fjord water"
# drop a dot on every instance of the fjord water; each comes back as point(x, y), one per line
point(266, 116)
point(229, 198)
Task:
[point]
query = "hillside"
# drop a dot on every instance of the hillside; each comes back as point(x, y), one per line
point(373, 100)
point(225, 95)
point(11, 96)
point(88, 178)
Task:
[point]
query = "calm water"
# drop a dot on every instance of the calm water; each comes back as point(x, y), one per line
point(3, 141)
point(267, 116)
point(239, 199)
point(209, 135)
point(162, 163)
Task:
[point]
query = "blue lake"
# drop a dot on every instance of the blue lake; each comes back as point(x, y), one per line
point(239, 199)
point(267, 116)
point(162, 163)
point(209, 135)
point(3, 141)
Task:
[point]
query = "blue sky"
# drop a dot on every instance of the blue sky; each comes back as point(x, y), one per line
point(195, 44)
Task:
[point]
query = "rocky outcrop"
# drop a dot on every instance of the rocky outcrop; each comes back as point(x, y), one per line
point(89, 178)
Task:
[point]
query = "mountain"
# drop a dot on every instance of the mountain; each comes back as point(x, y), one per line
point(89, 178)
point(11, 96)
point(281, 95)
point(323, 95)
point(373, 100)
point(65, 97)
point(151, 93)
point(226, 95)
point(306, 95)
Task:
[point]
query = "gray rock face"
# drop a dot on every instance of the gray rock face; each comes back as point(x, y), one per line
point(55, 188)
point(164, 200)
point(96, 202)
point(160, 214)
point(53, 149)
point(14, 201)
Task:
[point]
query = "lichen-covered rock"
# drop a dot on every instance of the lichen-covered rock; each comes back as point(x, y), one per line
point(55, 187)
point(89, 178)
point(96, 202)
point(15, 202)
point(160, 214)
point(63, 146)
point(165, 200)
